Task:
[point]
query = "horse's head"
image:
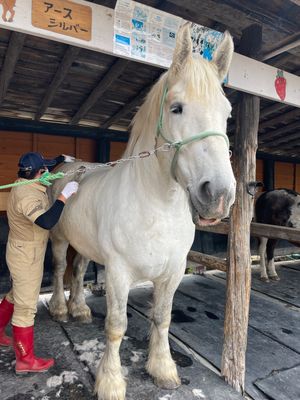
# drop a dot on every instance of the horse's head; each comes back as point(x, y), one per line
point(194, 112)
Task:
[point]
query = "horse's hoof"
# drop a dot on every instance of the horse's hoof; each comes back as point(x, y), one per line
point(60, 317)
point(82, 314)
point(167, 384)
point(84, 319)
point(264, 279)
point(274, 278)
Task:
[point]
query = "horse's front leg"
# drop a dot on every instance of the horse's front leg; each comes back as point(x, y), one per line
point(270, 257)
point(76, 305)
point(160, 364)
point(12, 14)
point(4, 13)
point(58, 305)
point(110, 383)
point(262, 253)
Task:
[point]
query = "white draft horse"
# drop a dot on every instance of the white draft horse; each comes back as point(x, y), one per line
point(138, 218)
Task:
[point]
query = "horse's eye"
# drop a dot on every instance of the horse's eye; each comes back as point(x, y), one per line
point(177, 108)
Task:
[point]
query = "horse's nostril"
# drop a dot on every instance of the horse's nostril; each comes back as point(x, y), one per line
point(205, 191)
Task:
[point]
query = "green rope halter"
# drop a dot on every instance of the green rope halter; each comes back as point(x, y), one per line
point(179, 144)
point(44, 179)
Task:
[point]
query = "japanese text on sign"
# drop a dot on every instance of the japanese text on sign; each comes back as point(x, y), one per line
point(64, 17)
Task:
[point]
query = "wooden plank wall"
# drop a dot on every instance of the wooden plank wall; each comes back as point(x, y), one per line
point(14, 144)
point(116, 150)
point(297, 185)
point(285, 175)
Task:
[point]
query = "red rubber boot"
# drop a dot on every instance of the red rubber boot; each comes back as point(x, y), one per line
point(6, 312)
point(26, 361)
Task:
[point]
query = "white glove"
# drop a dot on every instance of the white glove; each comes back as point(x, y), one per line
point(69, 189)
point(68, 158)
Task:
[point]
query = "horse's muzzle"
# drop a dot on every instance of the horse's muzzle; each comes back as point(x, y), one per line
point(209, 206)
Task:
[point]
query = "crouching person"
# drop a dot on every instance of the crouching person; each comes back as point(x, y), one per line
point(30, 219)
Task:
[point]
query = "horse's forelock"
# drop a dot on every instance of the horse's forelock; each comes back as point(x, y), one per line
point(200, 81)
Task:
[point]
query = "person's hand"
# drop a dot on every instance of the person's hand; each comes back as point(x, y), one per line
point(68, 158)
point(69, 189)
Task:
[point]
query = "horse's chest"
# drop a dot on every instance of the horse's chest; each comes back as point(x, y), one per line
point(294, 219)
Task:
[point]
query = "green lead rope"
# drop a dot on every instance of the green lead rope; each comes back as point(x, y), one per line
point(44, 180)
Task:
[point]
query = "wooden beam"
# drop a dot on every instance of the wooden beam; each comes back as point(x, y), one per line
point(114, 72)
point(258, 230)
point(13, 51)
point(271, 110)
point(282, 118)
point(261, 155)
point(283, 141)
point(208, 261)
point(63, 69)
point(49, 128)
point(239, 255)
point(284, 45)
point(271, 135)
point(238, 13)
point(127, 108)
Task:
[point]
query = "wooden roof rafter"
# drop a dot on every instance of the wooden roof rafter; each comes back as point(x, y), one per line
point(16, 43)
point(63, 69)
point(114, 72)
point(271, 135)
point(238, 10)
point(127, 108)
point(282, 118)
point(286, 142)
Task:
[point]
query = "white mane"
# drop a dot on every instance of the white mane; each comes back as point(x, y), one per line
point(200, 81)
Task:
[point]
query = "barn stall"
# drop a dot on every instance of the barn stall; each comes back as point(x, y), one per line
point(61, 94)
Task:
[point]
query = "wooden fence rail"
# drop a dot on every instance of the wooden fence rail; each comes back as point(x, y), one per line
point(259, 230)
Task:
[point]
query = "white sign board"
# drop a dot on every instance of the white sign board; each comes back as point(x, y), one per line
point(263, 80)
point(152, 41)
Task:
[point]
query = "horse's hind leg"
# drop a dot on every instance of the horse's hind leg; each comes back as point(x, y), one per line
point(160, 364)
point(12, 14)
point(110, 383)
point(262, 252)
point(58, 305)
point(76, 305)
point(270, 257)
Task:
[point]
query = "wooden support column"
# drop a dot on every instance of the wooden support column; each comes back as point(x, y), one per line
point(239, 268)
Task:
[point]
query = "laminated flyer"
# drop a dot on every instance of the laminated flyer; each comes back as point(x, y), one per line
point(144, 33)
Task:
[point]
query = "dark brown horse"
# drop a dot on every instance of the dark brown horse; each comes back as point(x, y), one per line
point(276, 207)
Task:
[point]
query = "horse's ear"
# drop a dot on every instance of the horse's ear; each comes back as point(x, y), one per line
point(183, 48)
point(223, 55)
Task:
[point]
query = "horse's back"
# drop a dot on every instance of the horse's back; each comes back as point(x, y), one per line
point(75, 171)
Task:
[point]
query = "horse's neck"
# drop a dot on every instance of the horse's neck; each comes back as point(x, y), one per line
point(152, 176)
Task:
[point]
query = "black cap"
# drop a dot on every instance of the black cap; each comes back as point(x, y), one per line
point(34, 161)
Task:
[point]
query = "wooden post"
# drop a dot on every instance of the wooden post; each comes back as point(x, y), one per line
point(239, 268)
